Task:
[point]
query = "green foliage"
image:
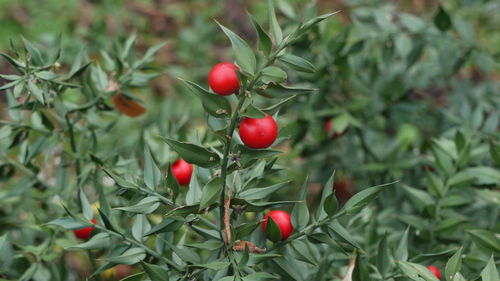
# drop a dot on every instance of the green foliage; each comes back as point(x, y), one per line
point(414, 140)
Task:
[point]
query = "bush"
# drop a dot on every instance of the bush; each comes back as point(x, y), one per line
point(366, 151)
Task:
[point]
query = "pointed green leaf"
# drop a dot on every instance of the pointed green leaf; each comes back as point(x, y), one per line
point(490, 272)
point(152, 175)
point(453, 265)
point(265, 43)
point(211, 192)
point(297, 63)
point(360, 199)
point(130, 256)
point(273, 231)
point(273, 23)
point(215, 105)
point(243, 54)
point(156, 272)
point(194, 154)
point(145, 206)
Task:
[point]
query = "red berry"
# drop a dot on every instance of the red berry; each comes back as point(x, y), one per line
point(182, 171)
point(258, 132)
point(84, 233)
point(283, 220)
point(223, 79)
point(328, 128)
point(122, 271)
point(434, 271)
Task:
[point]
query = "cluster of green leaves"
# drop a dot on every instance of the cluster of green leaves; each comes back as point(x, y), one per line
point(405, 90)
point(66, 154)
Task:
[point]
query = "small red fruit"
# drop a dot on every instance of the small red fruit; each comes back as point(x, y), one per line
point(84, 233)
point(283, 220)
point(434, 271)
point(258, 132)
point(182, 171)
point(328, 128)
point(122, 271)
point(223, 79)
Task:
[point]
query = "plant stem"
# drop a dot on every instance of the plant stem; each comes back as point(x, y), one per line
point(230, 131)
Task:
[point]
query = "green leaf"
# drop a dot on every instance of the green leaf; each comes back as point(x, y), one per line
point(3, 240)
point(215, 105)
point(130, 256)
point(273, 231)
point(253, 112)
point(217, 265)
point(33, 51)
point(402, 250)
point(155, 272)
point(68, 223)
point(244, 258)
point(485, 175)
point(273, 23)
point(303, 253)
point(341, 233)
point(46, 75)
point(186, 255)
point(259, 276)
point(172, 183)
point(194, 154)
point(209, 245)
point(146, 206)
point(415, 271)
point(245, 229)
point(485, 239)
point(87, 210)
point(495, 151)
point(297, 63)
point(490, 272)
point(243, 54)
point(98, 241)
point(310, 23)
point(453, 265)
point(442, 19)
point(282, 91)
point(383, 257)
point(36, 92)
point(360, 199)
point(419, 198)
point(211, 192)
point(148, 56)
point(167, 225)
point(273, 74)
point(327, 190)
point(152, 175)
point(435, 184)
point(330, 205)
point(265, 43)
point(140, 227)
point(262, 192)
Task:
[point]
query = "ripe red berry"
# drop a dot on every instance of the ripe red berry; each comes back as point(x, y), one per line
point(223, 79)
point(435, 271)
point(84, 233)
point(329, 126)
point(258, 132)
point(182, 171)
point(283, 220)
